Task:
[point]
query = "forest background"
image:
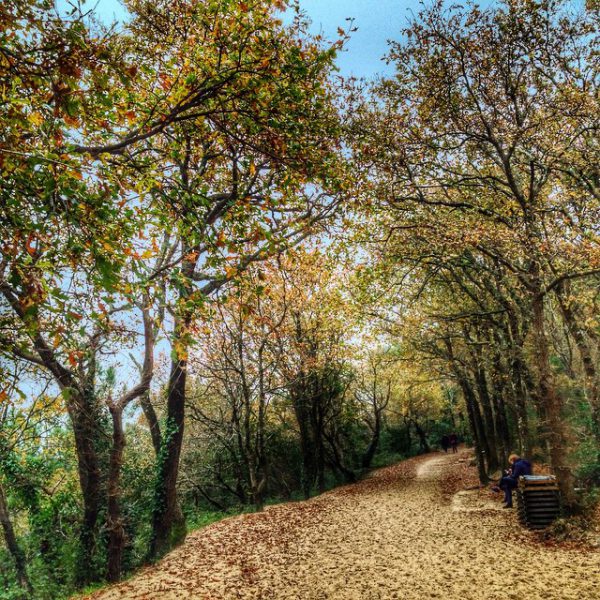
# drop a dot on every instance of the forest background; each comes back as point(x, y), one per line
point(232, 276)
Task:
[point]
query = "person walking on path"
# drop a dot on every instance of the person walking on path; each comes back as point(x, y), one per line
point(518, 467)
point(453, 439)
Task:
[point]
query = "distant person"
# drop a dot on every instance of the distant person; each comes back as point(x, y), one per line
point(518, 467)
point(445, 443)
point(453, 439)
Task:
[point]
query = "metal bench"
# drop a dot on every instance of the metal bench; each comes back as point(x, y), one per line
point(538, 500)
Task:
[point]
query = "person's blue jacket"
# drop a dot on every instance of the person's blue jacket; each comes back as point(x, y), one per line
point(521, 467)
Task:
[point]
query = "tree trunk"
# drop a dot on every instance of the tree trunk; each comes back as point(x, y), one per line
point(555, 423)
point(475, 422)
point(261, 469)
point(168, 524)
point(481, 390)
point(422, 437)
point(338, 458)
point(86, 419)
point(12, 544)
point(318, 433)
point(484, 443)
point(152, 419)
point(517, 368)
point(372, 449)
point(475, 430)
point(302, 413)
point(501, 425)
point(86, 423)
point(488, 421)
point(116, 531)
point(499, 387)
point(407, 429)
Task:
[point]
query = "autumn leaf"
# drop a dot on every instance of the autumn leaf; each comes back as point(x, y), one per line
point(72, 358)
point(30, 247)
point(36, 118)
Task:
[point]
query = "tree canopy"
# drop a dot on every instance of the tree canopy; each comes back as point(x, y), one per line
point(228, 275)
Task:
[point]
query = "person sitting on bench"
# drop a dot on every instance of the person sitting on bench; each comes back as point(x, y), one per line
point(518, 466)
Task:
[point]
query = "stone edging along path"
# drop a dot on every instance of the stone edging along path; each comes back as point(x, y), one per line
point(392, 535)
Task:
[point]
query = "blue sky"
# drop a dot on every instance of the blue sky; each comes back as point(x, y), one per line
point(377, 21)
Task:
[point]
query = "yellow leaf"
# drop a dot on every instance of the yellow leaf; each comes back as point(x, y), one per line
point(36, 118)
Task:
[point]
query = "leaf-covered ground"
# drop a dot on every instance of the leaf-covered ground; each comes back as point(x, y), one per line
point(411, 531)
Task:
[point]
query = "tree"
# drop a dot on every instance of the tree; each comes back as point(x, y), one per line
point(466, 152)
point(237, 378)
point(315, 368)
point(193, 151)
point(247, 177)
point(373, 391)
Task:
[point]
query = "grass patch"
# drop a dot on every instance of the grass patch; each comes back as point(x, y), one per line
point(202, 519)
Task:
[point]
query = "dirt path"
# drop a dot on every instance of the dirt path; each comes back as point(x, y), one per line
point(393, 535)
